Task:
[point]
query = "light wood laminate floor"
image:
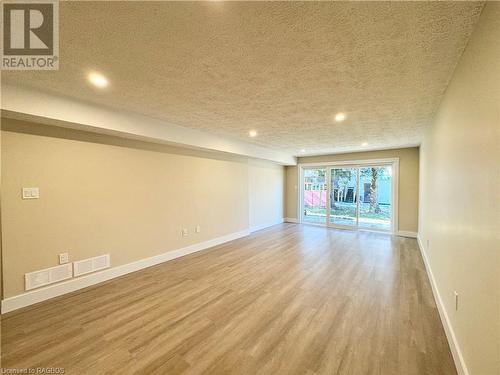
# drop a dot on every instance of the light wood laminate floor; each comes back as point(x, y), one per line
point(290, 299)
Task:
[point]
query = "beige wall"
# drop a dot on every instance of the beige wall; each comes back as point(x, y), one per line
point(266, 187)
point(1, 267)
point(460, 204)
point(101, 194)
point(408, 182)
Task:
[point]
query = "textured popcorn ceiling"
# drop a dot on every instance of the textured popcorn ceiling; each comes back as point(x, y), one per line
point(283, 69)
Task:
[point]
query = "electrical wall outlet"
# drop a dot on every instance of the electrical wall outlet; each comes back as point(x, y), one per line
point(184, 232)
point(197, 229)
point(63, 258)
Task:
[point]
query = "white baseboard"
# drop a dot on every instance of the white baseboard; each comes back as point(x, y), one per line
point(45, 293)
point(405, 233)
point(448, 328)
point(266, 225)
point(291, 220)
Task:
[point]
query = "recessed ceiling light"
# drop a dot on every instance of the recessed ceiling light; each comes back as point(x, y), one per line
point(364, 144)
point(340, 117)
point(98, 80)
point(252, 133)
point(302, 151)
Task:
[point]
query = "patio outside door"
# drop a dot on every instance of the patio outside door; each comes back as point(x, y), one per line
point(344, 197)
point(375, 197)
point(314, 196)
point(349, 196)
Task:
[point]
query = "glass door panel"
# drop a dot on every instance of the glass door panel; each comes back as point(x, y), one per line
point(344, 196)
point(315, 194)
point(375, 197)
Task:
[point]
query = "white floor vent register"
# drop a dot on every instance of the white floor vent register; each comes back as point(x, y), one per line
point(66, 271)
point(48, 276)
point(89, 265)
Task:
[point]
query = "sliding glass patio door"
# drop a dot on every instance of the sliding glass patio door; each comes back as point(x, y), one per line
point(349, 196)
point(375, 197)
point(314, 196)
point(343, 197)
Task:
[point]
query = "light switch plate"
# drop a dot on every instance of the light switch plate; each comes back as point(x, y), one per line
point(63, 258)
point(31, 193)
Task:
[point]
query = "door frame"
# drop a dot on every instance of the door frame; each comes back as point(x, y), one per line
point(393, 162)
